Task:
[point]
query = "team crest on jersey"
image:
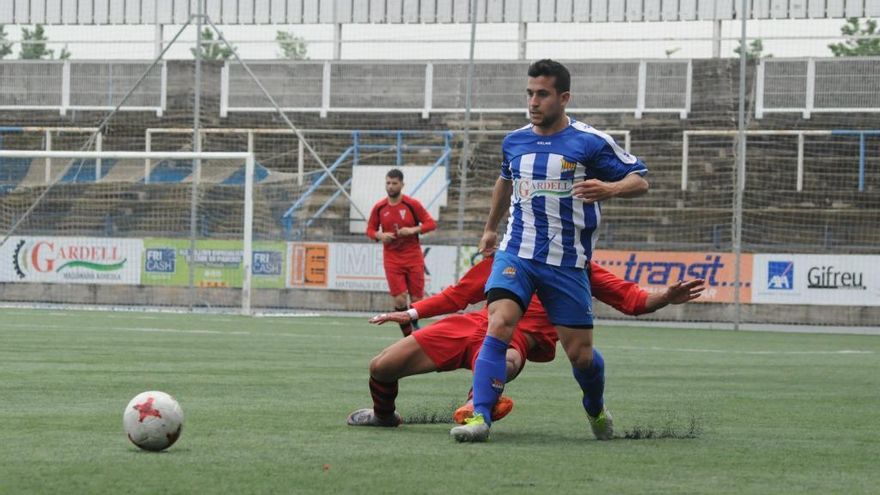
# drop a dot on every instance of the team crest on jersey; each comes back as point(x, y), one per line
point(402, 214)
point(568, 166)
point(509, 272)
point(528, 188)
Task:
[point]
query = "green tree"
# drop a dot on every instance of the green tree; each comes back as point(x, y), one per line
point(292, 47)
point(211, 48)
point(858, 47)
point(755, 50)
point(33, 46)
point(5, 46)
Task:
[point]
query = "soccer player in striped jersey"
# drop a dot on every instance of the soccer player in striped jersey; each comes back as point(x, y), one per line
point(554, 173)
point(396, 221)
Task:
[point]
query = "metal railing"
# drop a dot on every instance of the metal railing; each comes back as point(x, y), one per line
point(800, 134)
point(65, 85)
point(637, 87)
point(353, 153)
point(808, 86)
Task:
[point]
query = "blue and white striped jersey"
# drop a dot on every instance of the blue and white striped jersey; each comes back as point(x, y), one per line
point(546, 223)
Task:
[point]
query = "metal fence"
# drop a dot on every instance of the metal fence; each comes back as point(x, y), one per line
point(814, 85)
point(635, 87)
point(81, 85)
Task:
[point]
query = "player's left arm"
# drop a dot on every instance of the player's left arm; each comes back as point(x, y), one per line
point(628, 298)
point(616, 173)
point(424, 221)
point(677, 293)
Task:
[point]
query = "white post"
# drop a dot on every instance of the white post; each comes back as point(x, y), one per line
point(325, 90)
point(689, 88)
point(148, 144)
point(759, 91)
point(811, 87)
point(99, 147)
point(684, 161)
point(48, 160)
point(65, 87)
point(716, 38)
point(626, 141)
point(640, 99)
point(224, 89)
point(163, 91)
point(337, 41)
point(429, 90)
point(522, 37)
point(247, 254)
point(300, 161)
point(800, 162)
point(158, 41)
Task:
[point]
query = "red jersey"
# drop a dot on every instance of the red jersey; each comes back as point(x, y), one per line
point(625, 296)
point(408, 212)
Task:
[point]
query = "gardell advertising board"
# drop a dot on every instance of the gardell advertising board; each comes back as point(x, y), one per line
point(71, 260)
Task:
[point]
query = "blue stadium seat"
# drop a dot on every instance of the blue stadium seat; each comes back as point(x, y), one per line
point(237, 178)
point(12, 172)
point(170, 171)
point(84, 171)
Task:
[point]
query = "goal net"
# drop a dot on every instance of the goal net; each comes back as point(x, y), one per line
point(136, 229)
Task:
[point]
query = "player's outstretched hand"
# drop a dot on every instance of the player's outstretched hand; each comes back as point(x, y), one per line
point(594, 190)
point(407, 231)
point(682, 292)
point(488, 243)
point(401, 317)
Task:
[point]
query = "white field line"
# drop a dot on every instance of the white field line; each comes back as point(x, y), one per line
point(365, 335)
point(369, 335)
point(729, 351)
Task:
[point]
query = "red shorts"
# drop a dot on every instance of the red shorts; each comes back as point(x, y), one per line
point(454, 342)
point(406, 278)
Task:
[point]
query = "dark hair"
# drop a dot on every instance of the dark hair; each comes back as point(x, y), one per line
point(395, 174)
point(552, 68)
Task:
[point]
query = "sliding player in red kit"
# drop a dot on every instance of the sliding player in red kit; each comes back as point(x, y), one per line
point(401, 220)
point(454, 342)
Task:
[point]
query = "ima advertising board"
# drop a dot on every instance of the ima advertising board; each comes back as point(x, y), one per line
point(217, 263)
point(655, 270)
point(71, 260)
point(833, 280)
point(358, 267)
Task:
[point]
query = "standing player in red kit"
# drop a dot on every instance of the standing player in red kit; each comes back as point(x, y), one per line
point(401, 220)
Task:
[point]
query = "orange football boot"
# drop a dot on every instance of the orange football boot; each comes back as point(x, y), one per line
point(502, 408)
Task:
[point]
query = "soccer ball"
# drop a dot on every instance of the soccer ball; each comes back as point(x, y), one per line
point(153, 420)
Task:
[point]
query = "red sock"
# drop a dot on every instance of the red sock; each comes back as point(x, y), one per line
point(405, 328)
point(383, 394)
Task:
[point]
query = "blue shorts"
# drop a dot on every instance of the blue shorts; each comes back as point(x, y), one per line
point(564, 291)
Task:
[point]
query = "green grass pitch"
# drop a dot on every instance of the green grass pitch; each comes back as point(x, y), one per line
point(266, 400)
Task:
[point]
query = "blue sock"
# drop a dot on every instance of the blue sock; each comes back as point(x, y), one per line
point(490, 373)
point(592, 382)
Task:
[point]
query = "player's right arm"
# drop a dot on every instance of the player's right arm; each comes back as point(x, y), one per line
point(467, 291)
point(373, 226)
point(500, 203)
